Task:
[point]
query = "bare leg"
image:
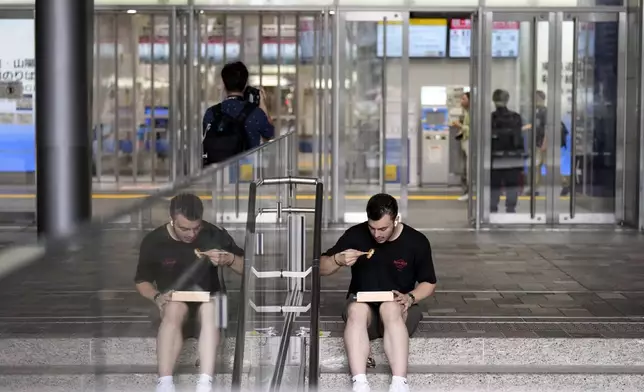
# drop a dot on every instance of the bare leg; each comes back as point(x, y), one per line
point(356, 338)
point(396, 338)
point(208, 338)
point(169, 338)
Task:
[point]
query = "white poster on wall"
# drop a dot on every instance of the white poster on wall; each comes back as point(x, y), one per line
point(17, 57)
point(17, 69)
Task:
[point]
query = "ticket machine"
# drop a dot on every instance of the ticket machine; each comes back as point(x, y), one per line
point(434, 140)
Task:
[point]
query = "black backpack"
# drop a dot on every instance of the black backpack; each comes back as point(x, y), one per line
point(225, 136)
point(507, 138)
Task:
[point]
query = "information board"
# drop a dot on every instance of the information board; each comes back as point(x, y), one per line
point(427, 38)
point(505, 38)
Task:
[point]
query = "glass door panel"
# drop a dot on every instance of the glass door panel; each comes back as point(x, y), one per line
point(373, 95)
point(514, 111)
point(592, 65)
point(132, 134)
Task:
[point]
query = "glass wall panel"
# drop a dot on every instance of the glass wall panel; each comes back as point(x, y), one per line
point(449, 3)
point(110, 2)
point(371, 112)
point(131, 142)
point(140, 2)
point(259, 3)
point(552, 3)
point(373, 3)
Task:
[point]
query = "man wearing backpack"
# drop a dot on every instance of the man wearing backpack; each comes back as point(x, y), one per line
point(507, 153)
point(235, 124)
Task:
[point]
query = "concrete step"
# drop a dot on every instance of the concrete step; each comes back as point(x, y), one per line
point(436, 364)
point(329, 382)
point(140, 379)
point(107, 382)
point(494, 382)
point(422, 352)
point(500, 352)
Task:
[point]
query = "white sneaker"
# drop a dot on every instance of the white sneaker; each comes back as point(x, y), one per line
point(204, 386)
point(463, 197)
point(165, 387)
point(399, 387)
point(361, 387)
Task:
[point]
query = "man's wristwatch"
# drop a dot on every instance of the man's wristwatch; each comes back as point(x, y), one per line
point(413, 299)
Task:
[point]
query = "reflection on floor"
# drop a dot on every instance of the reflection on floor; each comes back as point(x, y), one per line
point(530, 284)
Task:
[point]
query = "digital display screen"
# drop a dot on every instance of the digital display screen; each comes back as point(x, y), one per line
point(427, 38)
point(435, 118)
point(505, 39)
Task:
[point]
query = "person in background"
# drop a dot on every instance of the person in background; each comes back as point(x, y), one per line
point(221, 121)
point(507, 153)
point(539, 128)
point(463, 136)
point(541, 144)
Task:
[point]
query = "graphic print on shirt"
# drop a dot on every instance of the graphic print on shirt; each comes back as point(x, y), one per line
point(168, 264)
point(400, 264)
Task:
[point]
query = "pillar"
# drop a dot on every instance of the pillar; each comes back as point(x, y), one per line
point(64, 41)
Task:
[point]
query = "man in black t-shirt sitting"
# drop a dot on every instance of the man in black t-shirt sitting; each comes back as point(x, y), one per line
point(384, 255)
point(168, 262)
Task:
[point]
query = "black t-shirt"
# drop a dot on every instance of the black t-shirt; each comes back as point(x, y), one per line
point(395, 265)
point(172, 265)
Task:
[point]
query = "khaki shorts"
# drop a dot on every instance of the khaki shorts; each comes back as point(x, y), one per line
point(376, 328)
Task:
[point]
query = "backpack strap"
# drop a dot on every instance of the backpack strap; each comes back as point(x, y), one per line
point(245, 112)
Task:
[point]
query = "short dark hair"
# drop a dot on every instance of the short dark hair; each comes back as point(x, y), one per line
point(501, 97)
point(467, 94)
point(541, 95)
point(380, 205)
point(188, 205)
point(235, 76)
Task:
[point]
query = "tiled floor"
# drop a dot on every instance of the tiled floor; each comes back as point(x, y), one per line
point(515, 284)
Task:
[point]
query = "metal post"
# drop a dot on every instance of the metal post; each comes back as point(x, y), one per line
point(64, 39)
point(573, 117)
point(194, 139)
point(382, 136)
point(314, 347)
point(174, 140)
point(404, 108)
point(337, 104)
point(296, 240)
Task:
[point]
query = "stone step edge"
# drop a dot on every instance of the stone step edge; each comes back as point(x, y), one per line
point(380, 369)
point(438, 351)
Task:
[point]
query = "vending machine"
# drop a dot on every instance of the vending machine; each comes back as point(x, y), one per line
point(434, 136)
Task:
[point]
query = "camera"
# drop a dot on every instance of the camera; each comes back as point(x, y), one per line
point(251, 94)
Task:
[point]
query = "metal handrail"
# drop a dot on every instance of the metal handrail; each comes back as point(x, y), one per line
point(10, 261)
point(249, 271)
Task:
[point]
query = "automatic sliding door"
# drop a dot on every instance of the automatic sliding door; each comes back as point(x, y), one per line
point(517, 60)
point(373, 109)
point(131, 134)
point(592, 83)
